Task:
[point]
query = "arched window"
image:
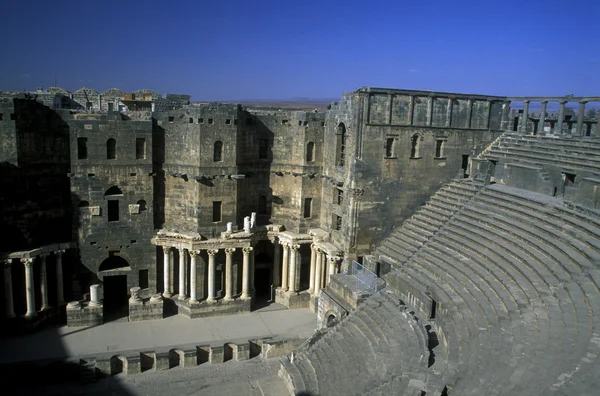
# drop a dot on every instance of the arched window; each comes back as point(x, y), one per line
point(83, 204)
point(112, 196)
point(218, 151)
point(310, 152)
point(414, 146)
point(262, 205)
point(111, 149)
point(340, 145)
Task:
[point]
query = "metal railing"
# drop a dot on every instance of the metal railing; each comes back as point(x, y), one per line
point(365, 280)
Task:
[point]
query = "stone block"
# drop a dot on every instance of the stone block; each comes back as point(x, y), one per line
point(132, 364)
point(217, 354)
point(241, 351)
point(161, 361)
point(190, 357)
point(103, 366)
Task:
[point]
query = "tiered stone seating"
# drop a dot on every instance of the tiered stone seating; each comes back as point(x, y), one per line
point(539, 150)
point(414, 233)
point(518, 274)
point(378, 341)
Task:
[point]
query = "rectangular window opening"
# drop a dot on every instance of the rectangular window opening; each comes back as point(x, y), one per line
point(143, 279)
point(82, 148)
point(465, 164)
point(389, 148)
point(113, 210)
point(191, 120)
point(111, 106)
point(210, 120)
point(339, 196)
point(171, 119)
point(439, 145)
point(433, 309)
point(337, 222)
point(216, 211)
point(284, 122)
point(140, 148)
point(200, 120)
point(307, 208)
point(228, 121)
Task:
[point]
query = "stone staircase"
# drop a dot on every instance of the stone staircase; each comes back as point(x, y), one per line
point(380, 344)
point(515, 276)
point(406, 240)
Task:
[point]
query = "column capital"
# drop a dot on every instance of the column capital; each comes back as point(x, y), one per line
point(212, 252)
point(294, 247)
point(583, 102)
point(27, 261)
point(284, 244)
point(167, 249)
point(526, 101)
point(181, 249)
point(334, 259)
point(229, 251)
point(43, 255)
point(544, 101)
point(247, 250)
point(313, 246)
point(59, 252)
point(7, 263)
point(193, 253)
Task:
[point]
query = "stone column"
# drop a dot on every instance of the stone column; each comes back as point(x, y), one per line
point(8, 290)
point(284, 267)
point(276, 264)
point(469, 112)
point(542, 117)
point(228, 274)
point(430, 111)
point(325, 279)
point(211, 274)
point(333, 261)
point(95, 295)
point(561, 118)
point(411, 110)
point(449, 113)
point(60, 291)
point(246, 273)
point(580, 114)
point(193, 257)
point(44, 281)
point(292, 271)
point(525, 116)
point(28, 262)
point(504, 117)
point(252, 271)
point(313, 262)
point(182, 295)
point(318, 271)
point(167, 271)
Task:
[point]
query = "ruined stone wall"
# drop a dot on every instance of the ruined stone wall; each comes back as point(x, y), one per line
point(34, 162)
point(96, 180)
point(193, 179)
point(401, 146)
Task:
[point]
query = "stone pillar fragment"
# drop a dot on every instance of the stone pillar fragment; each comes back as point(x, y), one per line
point(60, 296)
point(44, 281)
point(247, 224)
point(246, 273)
point(292, 270)
point(9, 308)
point(525, 116)
point(318, 272)
point(313, 262)
point(284, 266)
point(167, 271)
point(542, 117)
point(95, 294)
point(228, 274)
point(29, 294)
point(211, 274)
point(182, 295)
point(561, 118)
point(193, 263)
point(580, 115)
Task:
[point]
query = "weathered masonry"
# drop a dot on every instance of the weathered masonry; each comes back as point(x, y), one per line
point(165, 206)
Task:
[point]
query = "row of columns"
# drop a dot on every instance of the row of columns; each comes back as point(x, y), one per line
point(558, 123)
point(247, 273)
point(30, 284)
point(322, 267)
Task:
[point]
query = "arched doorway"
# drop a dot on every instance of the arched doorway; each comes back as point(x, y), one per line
point(116, 294)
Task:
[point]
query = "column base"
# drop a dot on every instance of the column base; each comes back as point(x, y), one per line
point(246, 297)
point(9, 316)
point(167, 295)
point(181, 297)
point(45, 307)
point(194, 301)
point(227, 298)
point(211, 300)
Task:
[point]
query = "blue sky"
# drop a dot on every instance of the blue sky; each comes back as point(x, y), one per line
point(235, 50)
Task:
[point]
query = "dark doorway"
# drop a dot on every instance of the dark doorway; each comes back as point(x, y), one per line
point(116, 305)
point(465, 165)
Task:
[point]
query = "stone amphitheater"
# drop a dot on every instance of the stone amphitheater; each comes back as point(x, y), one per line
point(449, 244)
